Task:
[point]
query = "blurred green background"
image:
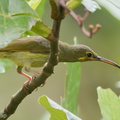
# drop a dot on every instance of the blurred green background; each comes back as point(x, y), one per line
point(105, 43)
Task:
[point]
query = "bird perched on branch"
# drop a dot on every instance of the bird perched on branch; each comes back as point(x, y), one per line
point(34, 52)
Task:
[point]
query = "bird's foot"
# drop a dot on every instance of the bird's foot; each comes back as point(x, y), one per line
point(36, 73)
point(28, 76)
point(27, 82)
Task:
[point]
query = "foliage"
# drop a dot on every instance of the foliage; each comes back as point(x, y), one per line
point(113, 6)
point(57, 112)
point(70, 101)
point(18, 19)
point(38, 6)
point(90, 5)
point(109, 104)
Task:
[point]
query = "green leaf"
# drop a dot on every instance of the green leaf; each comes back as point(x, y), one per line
point(4, 65)
point(16, 17)
point(90, 5)
point(109, 104)
point(73, 3)
point(113, 6)
point(41, 29)
point(70, 100)
point(57, 112)
point(38, 6)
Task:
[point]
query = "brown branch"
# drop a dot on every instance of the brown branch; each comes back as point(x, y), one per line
point(29, 87)
point(80, 20)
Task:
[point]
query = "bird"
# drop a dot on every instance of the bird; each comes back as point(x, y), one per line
point(34, 52)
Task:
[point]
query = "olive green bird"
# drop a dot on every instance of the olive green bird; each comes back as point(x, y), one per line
point(34, 52)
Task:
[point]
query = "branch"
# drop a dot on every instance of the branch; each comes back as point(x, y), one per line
point(30, 86)
point(80, 20)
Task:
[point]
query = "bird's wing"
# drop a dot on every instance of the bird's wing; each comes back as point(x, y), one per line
point(35, 44)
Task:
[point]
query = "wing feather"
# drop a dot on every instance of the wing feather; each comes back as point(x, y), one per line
point(35, 44)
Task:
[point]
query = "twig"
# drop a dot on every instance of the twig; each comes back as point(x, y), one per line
point(80, 20)
point(29, 87)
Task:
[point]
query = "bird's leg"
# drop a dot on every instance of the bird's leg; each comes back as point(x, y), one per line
point(19, 70)
point(36, 73)
point(27, 69)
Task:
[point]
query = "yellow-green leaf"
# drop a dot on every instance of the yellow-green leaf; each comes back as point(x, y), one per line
point(109, 104)
point(57, 112)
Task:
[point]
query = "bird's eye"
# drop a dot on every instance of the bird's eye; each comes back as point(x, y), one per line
point(89, 54)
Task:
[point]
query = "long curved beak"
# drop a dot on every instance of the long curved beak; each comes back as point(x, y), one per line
point(107, 61)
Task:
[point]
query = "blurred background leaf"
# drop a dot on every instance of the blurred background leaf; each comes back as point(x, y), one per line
point(109, 104)
point(38, 6)
point(4, 65)
point(113, 6)
point(72, 85)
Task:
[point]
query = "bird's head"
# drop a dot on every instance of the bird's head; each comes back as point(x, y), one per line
point(84, 53)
